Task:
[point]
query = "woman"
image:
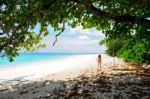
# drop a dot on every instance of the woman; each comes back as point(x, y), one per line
point(99, 62)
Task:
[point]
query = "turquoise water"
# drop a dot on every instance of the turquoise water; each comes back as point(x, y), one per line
point(33, 57)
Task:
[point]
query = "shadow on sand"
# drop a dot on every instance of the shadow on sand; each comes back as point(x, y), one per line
point(101, 85)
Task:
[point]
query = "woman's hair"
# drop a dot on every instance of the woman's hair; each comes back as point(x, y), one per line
point(99, 56)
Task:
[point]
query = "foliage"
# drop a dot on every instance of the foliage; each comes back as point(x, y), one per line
point(113, 47)
point(116, 18)
point(136, 53)
point(131, 45)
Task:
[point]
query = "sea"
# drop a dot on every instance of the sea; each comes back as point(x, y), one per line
point(34, 57)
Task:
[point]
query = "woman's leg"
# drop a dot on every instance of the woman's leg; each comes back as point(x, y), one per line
point(100, 65)
point(97, 66)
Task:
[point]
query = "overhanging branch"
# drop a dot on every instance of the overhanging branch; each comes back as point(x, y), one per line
point(118, 18)
point(63, 28)
point(9, 41)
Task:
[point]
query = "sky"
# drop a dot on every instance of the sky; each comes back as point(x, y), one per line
point(73, 40)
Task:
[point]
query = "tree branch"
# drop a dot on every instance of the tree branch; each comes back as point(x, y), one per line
point(63, 28)
point(47, 4)
point(10, 39)
point(118, 18)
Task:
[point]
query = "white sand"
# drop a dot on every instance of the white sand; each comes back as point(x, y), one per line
point(87, 63)
point(34, 71)
point(60, 69)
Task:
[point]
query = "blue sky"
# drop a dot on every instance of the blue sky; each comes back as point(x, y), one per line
point(73, 40)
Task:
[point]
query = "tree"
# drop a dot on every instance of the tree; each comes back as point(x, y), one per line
point(17, 17)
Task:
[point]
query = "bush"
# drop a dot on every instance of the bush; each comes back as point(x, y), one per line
point(113, 47)
point(136, 53)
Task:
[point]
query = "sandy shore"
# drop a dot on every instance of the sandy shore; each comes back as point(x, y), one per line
point(76, 77)
point(56, 69)
point(38, 70)
point(89, 65)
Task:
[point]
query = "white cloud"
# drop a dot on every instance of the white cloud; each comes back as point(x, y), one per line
point(81, 31)
point(84, 37)
point(76, 40)
point(73, 45)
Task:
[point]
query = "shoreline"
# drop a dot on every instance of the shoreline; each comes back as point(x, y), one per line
point(36, 71)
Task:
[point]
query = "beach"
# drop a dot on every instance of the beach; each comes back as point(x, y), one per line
point(37, 70)
point(75, 77)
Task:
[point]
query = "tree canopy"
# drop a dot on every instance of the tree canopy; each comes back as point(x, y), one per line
point(126, 20)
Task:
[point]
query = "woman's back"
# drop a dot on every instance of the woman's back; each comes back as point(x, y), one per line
point(99, 58)
point(99, 62)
